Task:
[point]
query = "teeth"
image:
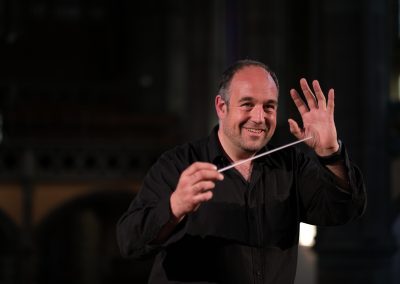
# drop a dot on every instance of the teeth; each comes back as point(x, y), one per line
point(255, 130)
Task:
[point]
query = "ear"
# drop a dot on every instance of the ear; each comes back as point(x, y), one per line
point(220, 106)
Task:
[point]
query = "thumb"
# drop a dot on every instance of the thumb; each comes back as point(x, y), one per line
point(295, 129)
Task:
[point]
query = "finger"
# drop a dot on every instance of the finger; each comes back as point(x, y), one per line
point(206, 196)
point(301, 106)
point(295, 129)
point(319, 95)
point(203, 186)
point(205, 175)
point(197, 166)
point(331, 101)
point(308, 94)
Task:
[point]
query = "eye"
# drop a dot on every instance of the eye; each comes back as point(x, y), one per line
point(269, 108)
point(247, 106)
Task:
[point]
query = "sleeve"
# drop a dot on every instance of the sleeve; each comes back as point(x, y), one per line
point(149, 212)
point(322, 201)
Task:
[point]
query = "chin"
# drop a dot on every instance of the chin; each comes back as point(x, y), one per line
point(253, 148)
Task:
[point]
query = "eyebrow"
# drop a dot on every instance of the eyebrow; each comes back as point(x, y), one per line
point(249, 99)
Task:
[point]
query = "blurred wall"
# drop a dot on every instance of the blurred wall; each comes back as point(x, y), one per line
point(91, 92)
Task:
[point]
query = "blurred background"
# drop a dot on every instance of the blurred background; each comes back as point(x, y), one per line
point(92, 91)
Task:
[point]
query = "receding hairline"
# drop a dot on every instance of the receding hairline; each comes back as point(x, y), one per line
point(231, 71)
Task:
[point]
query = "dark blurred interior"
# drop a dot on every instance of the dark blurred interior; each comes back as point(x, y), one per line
point(92, 91)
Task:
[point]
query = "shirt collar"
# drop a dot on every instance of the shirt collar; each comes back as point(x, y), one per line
point(216, 152)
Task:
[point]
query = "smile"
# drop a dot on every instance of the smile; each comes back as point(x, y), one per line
point(255, 131)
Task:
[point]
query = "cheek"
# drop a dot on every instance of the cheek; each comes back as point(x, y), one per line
point(236, 118)
point(272, 118)
point(271, 121)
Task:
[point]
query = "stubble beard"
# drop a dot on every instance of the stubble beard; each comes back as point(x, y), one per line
point(248, 147)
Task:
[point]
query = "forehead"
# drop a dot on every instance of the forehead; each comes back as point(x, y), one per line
point(253, 81)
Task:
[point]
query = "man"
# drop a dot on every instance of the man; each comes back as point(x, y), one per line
point(243, 226)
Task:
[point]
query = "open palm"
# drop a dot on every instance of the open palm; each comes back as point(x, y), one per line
point(317, 116)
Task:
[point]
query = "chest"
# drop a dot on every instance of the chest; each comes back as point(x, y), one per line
point(261, 210)
point(255, 186)
point(245, 170)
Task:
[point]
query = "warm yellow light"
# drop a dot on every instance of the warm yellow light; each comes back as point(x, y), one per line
point(398, 86)
point(307, 235)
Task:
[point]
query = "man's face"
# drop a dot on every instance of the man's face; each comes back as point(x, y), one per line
point(248, 121)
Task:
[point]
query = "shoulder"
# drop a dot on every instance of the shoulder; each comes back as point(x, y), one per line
point(187, 153)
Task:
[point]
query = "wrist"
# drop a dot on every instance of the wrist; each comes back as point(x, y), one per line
point(325, 152)
point(175, 214)
point(332, 158)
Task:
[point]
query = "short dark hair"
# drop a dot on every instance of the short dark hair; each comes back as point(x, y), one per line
point(226, 78)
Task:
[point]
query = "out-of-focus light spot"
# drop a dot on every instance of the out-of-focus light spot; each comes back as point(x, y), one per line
point(398, 85)
point(307, 235)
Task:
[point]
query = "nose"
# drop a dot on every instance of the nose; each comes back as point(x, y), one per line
point(258, 114)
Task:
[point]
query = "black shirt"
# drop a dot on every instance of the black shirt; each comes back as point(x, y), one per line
point(248, 232)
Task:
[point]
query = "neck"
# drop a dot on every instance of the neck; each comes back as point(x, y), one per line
point(234, 153)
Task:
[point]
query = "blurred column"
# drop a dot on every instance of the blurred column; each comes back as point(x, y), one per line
point(27, 262)
point(199, 47)
point(355, 56)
